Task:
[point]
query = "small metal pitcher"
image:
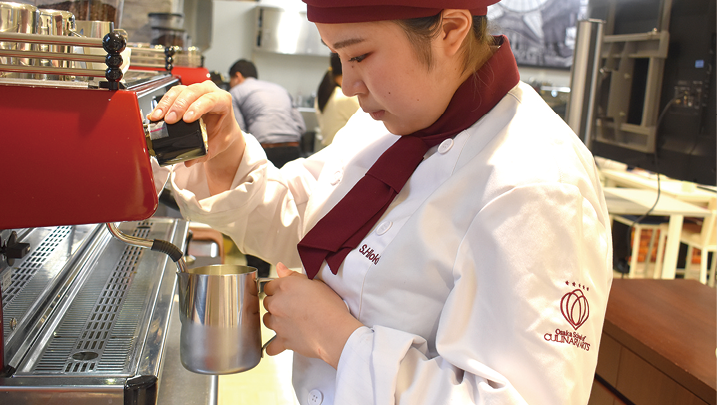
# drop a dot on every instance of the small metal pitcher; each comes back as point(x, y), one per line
point(219, 311)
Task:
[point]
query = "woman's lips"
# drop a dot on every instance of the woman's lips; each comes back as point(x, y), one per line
point(377, 115)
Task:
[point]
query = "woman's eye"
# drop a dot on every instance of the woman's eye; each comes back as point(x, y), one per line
point(358, 58)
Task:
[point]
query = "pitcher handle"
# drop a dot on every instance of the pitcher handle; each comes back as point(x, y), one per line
point(263, 347)
point(260, 280)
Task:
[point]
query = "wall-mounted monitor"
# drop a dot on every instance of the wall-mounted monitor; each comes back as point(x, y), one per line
point(654, 102)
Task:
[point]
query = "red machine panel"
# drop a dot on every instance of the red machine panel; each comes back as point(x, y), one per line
point(188, 75)
point(72, 156)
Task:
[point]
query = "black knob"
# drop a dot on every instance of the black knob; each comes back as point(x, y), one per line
point(113, 75)
point(168, 59)
point(113, 60)
point(14, 249)
point(114, 42)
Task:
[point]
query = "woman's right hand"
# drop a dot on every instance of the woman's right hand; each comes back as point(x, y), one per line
point(224, 137)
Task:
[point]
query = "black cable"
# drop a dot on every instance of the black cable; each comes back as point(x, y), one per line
point(657, 170)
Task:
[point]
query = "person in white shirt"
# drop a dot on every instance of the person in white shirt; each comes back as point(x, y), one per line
point(333, 107)
point(453, 240)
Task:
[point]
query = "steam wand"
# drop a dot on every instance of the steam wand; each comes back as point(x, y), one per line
point(157, 245)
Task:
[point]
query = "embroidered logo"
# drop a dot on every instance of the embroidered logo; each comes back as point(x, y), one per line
point(576, 310)
point(369, 254)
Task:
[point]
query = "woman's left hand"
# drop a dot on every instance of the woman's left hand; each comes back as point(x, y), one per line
point(307, 316)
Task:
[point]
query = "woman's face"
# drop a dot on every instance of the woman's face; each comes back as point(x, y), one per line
point(381, 68)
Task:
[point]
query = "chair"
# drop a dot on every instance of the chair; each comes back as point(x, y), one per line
point(701, 236)
point(647, 223)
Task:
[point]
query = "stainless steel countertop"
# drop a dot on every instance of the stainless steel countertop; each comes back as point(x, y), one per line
point(177, 385)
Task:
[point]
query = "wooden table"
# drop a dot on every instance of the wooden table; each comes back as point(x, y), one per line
point(630, 201)
point(658, 342)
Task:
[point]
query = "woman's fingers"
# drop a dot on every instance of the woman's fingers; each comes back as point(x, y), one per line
point(190, 102)
point(165, 103)
point(275, 347)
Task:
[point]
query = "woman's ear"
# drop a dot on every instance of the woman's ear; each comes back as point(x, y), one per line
point(455, 26)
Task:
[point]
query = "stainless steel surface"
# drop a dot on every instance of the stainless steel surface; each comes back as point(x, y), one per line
point(106, 336)
point(287, 32)
point(140, 242)
point(94, 29)
point(219, 311)
point(178, 385)
point(58, 61)
point(152, 56)
point(50, 39)
point(60, 23)
point(129, 239)
point(17, 18)
point(37, 279)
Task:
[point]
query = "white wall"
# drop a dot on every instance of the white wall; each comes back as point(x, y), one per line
point(232, 33)
point(233, 39)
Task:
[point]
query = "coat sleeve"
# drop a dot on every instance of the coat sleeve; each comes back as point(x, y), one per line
point(510, 331)
point(264, 208)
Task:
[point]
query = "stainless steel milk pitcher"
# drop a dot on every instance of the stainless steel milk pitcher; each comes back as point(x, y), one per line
point(219, 311)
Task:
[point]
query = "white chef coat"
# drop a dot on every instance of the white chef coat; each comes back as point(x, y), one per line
point(485, 281)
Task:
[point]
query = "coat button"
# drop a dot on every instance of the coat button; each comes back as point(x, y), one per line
point(316, 397)
point(338, 175)
point(445, 146)
point(384, 227)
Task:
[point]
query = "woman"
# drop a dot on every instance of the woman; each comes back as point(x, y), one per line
point(454, 238)
point(333, 108)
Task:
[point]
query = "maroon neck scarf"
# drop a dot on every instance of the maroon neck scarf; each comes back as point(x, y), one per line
point(345, 226)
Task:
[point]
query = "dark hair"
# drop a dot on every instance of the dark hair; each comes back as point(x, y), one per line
point(421, 31)
point(246, 68)
point(328, 83)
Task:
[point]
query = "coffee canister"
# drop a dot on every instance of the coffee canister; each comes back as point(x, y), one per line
point(178, 142)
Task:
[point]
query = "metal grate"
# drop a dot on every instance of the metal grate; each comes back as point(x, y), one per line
point(93, 336)
point(22, 275)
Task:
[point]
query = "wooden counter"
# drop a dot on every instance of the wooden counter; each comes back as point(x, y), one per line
point(658, 344)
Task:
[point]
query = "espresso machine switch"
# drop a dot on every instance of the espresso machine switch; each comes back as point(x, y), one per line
point(13, 249)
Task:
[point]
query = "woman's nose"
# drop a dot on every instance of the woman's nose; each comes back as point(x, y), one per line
point(353, 84)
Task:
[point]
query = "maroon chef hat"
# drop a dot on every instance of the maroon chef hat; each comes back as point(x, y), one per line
point(349, 11)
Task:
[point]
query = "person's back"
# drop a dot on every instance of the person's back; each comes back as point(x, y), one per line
point(267, 111)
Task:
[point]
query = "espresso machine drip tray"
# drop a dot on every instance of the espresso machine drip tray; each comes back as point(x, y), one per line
point(85, 316)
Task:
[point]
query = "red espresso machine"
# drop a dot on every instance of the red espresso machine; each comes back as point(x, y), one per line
point(85, 316)
point(188, 64)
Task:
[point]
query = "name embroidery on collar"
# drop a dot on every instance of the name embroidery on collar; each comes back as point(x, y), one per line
point(369, 253)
